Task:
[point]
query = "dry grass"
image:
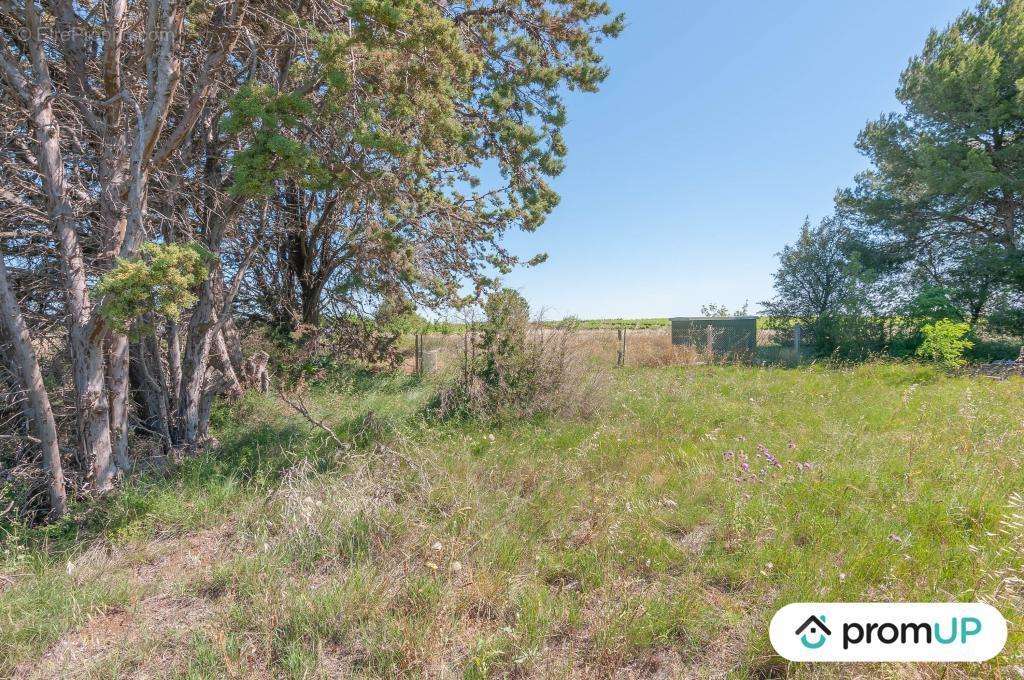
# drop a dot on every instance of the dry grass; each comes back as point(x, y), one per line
point(650, 348)
point(654, 542)
point(553, 374)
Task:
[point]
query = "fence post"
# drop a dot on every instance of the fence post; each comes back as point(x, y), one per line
point(620, 359)
point(711, 341)
point(797, 332)
point(417, 354)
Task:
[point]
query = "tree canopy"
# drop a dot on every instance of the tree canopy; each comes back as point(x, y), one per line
point(947, 180)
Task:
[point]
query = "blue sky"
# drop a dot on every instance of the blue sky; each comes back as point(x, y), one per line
point(721, 126)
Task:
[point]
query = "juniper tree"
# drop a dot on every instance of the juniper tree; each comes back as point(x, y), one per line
point(381, 197)
point(363, 124)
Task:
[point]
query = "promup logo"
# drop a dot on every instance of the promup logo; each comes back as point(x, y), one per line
point(818, 631)
point(888, 632)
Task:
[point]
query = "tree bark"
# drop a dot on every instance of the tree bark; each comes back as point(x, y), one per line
point(87, 330)
point(117, 384)
point(173, 360)
point(232, 384)
point(156, 380)
point(194, 363)
point(39, 410)
point(142, 389)
point(228, 329)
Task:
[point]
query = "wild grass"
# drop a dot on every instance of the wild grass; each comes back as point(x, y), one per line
point(645, 347)
point(654, 540)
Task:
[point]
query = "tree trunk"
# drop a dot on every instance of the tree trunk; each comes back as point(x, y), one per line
point(142, 389)
point(117, 384)
point(156, 381)
point(39, 410)
point(223, 361)
point(206, 405)
point(233, 342)
point(1006, 219)
point(87, 331)
point(194, 363)
point(228, 329)
point(311, 305)
point(93, 408)
point(173, 360)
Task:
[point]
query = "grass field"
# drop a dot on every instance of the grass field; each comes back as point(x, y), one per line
point(449, 327)
point(653, 541)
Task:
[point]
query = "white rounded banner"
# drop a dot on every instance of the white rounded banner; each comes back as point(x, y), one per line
point(891, 631)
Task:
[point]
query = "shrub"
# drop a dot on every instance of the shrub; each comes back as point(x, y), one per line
point(945, 342)
point(506, 362)
point(518, 370)
point(929, 305)
point(161, 279)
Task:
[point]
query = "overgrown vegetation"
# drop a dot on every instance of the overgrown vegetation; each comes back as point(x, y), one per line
point(657, 539)
point(247, 184)
point(516, 369)
point(322, 170)
point(944, 341)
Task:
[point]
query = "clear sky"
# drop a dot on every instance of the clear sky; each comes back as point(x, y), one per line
point(722, 125)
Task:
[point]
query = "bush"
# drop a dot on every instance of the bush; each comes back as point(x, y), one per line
point(1007, 319)
point(506, 362)
point(945, 342)
point(161, 280)
point(928, 306)
point(518, 370)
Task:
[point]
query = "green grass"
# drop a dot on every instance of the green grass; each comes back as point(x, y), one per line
point(634, 541)
point(637, 324)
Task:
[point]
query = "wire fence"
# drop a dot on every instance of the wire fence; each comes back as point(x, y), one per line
point(620, 347)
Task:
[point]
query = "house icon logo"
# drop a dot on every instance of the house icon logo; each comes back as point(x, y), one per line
point(813, 632)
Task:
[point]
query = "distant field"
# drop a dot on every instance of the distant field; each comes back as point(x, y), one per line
point(625, 323)
point(653, 541)
point(590, 324)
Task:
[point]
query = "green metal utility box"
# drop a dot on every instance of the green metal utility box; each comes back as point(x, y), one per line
point(722, 335)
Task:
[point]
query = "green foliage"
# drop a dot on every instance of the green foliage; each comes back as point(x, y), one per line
point(432, 132)
point(717, 310)
point(945, 342)
point(274, 152)
point(821, 285)
point(931, 304)
point(516, 372)
point(508, 317)
point(160, 281)
point(946, 187)
point(1008, 319)
point(506, 365)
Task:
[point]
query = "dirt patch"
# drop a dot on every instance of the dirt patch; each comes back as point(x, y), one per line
point(79, 648)
point(162, 618)
point(694, 540)
point(149, 630)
